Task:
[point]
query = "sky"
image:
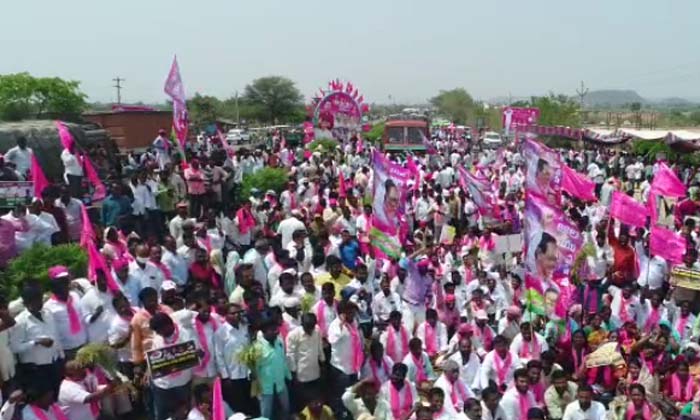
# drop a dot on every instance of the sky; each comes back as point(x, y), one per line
point(405, 50)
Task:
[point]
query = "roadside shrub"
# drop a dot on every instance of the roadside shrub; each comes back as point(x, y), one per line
point(265, 179)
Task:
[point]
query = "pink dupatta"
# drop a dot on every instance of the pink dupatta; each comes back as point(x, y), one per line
point(73, 317)
point(391, 343)
point(55, 409)
point(397, 409)
point(202, 336)
point(431, 345)
point(630, 412)
point(679, 392)
point(357, 352)
point(502, 367)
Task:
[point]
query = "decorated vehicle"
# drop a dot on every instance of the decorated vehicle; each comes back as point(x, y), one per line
point(338, 112)
point(406, 132)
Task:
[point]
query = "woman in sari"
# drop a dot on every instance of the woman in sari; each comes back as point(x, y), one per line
point(634, 406)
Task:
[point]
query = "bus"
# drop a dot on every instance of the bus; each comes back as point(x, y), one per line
point(406, 133)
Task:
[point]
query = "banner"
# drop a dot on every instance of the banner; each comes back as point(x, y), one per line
point(667, 245)
point(16, 192)
point(627, 210)
point(339, 112)
point(685, 278)
point(170, 359)
point(480, 191)
point(514, 117)
point(390, 187)
point(665, 192)
point(576, 184)
point(552, 243)
point(543, 172)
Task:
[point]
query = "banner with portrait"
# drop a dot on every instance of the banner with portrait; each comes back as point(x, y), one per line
point(388, 204)
point(479, 189)
point(543, 172)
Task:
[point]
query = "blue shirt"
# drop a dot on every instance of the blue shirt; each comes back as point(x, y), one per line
point(113, 208)
point(271, 369)
point(349, 253)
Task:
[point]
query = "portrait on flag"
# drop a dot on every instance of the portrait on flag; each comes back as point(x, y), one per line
point(390, 187)
point(543, 172)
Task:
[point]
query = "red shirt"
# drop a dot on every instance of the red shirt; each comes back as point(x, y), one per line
point(624, 260)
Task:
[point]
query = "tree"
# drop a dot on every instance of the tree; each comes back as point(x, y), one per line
point(455, 104)
point(276, 98)
point(24, 96)
point(557, 110)
point(203, 110)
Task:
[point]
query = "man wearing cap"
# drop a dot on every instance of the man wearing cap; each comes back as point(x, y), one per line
point(65, 308)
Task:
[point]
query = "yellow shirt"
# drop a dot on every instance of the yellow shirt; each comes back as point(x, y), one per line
point(326, 414)
point(339, 283)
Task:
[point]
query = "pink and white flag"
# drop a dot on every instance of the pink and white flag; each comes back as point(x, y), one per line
point(628, 210)
point(667, 244)
point(176, 90)
point(576, 184)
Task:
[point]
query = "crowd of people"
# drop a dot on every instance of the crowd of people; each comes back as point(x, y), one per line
point(296, 315)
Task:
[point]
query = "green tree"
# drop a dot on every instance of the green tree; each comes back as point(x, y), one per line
point(275, 98)
point(24, 96)
point(455, 104)
point(557, 110)
point(203, 109)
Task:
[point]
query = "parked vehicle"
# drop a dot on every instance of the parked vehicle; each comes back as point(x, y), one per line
point(492, 139)
point(237, 136)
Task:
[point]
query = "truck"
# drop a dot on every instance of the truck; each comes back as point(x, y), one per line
point(406, 132)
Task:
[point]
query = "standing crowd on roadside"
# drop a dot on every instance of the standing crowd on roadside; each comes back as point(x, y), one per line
point(296, 315)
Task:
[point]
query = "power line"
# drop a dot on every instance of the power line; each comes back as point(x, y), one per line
point(118, 80)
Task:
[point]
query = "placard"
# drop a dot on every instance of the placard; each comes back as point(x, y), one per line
point(171, 359)
point(509, 243)
point(15, 192)
point(685, 278)
point(447, 235)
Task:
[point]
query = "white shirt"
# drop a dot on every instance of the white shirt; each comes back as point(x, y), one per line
point(488, 369)
point(71, 399)
point(29, 328)
point(22, 158)
point(117, 332)
point(383, 369)
point(652, 271)
point(469, 371)
point(329, 314)
point(175, 226)
point(177, 264)
point(487, 415)
point(74, 216)
point(407, 389)
point(259, 267)
point(229, 341)
point(517, 346)
point(94, 298)
point(305, 354)
point(510, 403)
point(440, 335)
point(383, 305)
point(209, 371)
point(178, 378)
point(342, 350)
point(357, 407)
point(287, 227)
point(59, 311)
point(448, 387)
point(28, 413)
point(71, 163)
point(574, 412)
point(412, 374)
point(148, 276)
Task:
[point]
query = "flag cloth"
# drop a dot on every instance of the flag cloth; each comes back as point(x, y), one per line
point(667, 245)
point(666, 189)
point(100, 191)
point(543, 172)
point(224, 143)
point(38, 177)
point(429, 147)
point(388, 204)
point(176, 90)
point(97, 262)
point(576, 184)
point(666, 183)
point(534, 295)
point(341, 185)
point(87, 234)
point(218, 411)
point(64, 135)
point(627, 210)
point(479, 190)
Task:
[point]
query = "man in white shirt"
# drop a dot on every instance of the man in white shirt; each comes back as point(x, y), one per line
point(584, 408)
point(230, 339)
point(35, 340)
point(98, 311)
point(72, 207)
point(65, 308)
point(499, 373)
point(143, 270)
point(75, 399)
point(256, 257)
point(169, 389)
point(20, 156)
point(490, 407)
point(469, 364)
point(456, 391)
point(345, 339)
point(288, 226)
point(305, 356)
point(386, 302)
point(176, 263)
point(73, 171)
point(175, 224)
point(518, 397)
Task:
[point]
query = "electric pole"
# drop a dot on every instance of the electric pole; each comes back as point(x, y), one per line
point(582, 92)
point(118, 80)
point(238, 114)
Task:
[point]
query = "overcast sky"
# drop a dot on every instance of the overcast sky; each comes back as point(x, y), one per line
point(404, 48)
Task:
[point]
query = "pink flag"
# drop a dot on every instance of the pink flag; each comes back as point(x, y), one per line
point(666, 183)
point(38, 178)
point(667, 245)
point(360, 145)
point(224, 143)
point(480, 191)
point(100, 191)
point(176, 90)
point(411, 165)
point(341, 185)
point(627, 210)
point(87, 234)
point(97, 262)
point(429, 147)
point(217, 402)
point(64, 135)
point(576, 184)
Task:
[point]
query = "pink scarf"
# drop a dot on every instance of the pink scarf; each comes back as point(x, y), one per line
point(624, 315)
point(430, 339)
point(531, 349)
point(321, 317)
point(292, 201)
point(357, 353)
point(523, 404)
point(170, 341)
point(284, 332)
point(653, 319)
point(420, 369)
point(502, 367)
point(458, 395)
point(679, 392)
point(391, 343)
point(646, 411)
point(164, 269)
point(202, 336)
point(397, 409)
point(73, 317)
point(94, 405)
point(486, 336)
point(55, 409)
point(374, 366)
point(488, 244)
point(538, 391)
point(246, 221)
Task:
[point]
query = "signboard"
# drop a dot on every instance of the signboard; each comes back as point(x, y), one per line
point(685, 278)
point(339, 112)
point(509, 243)
point(171, 359)
point(14, 192)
